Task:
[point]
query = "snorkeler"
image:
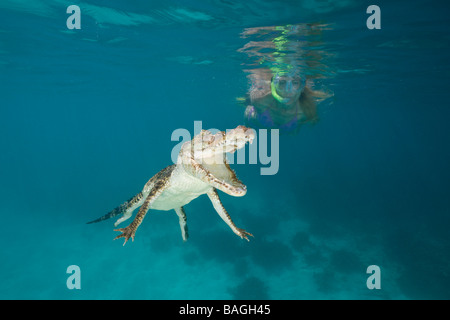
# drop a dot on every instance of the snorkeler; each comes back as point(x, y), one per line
point(286, 104)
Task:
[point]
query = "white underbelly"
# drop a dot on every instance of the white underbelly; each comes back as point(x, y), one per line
point(182, 190)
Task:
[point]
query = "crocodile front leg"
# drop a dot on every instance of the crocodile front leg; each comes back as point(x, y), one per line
point(182, 218)
point(214, 197)
point(130, 231)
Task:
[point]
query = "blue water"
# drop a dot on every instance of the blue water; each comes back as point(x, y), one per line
point(87, 116)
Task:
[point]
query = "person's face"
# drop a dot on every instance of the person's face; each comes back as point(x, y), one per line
point(288, 87)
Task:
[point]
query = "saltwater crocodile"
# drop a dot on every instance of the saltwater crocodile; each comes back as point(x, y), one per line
point(201, 168)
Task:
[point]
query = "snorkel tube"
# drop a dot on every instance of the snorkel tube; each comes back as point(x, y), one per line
point(276, 95)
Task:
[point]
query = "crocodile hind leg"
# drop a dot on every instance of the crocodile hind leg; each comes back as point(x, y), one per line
point(214, 197)
point(129, 232)
point(126, 209)
point(133, 203)
point(182, 217)
point(124, 217)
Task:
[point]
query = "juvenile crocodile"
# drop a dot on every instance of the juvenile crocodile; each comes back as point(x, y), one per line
point(201, 168)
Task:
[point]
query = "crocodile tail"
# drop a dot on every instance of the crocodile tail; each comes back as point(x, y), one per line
point(120, 209)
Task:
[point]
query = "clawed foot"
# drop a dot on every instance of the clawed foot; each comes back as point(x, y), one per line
point(126, 233)
point(243, 234)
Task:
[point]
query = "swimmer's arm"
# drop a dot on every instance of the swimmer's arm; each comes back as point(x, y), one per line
point(250, 112)
point(261, 104)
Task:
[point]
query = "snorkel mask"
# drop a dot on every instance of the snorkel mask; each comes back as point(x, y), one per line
point(287, 88)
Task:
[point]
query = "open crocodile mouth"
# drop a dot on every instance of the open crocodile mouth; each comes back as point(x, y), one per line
point(207, 154)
